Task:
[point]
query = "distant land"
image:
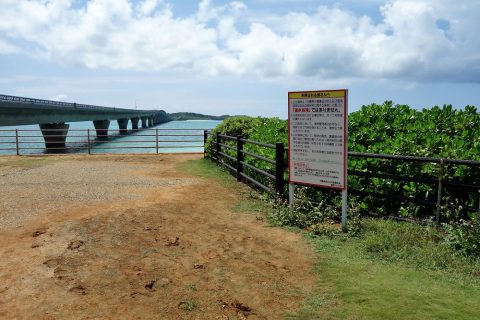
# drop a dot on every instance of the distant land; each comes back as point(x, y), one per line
point(195, 116)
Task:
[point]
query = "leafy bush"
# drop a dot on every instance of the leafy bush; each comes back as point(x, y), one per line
point(399, 130)
point(388, 129)
point(464, 236)
point(233, 126)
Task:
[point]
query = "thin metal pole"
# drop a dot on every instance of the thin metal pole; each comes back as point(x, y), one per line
point(16, 142)
point(345, 191)
point(156, 135)
point(439, 193)
point(291, 194)
point(88, 141)
point(344, 209)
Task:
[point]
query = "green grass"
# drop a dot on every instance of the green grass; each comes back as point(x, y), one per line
point(355, 286)
point(188, 306)
point(390, 270)
point(206, 169)
point(249, 200)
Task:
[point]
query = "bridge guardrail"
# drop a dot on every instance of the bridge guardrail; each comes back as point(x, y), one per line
point(15, 99)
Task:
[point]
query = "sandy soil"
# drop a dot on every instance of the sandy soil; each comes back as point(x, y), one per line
point(130, 237)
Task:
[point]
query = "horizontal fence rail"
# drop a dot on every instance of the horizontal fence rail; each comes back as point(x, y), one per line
point(229, 152)
point(236, 161)
point(32, 141)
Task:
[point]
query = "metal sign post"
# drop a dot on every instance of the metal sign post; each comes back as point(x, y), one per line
point(318, 141)
point(291, 194)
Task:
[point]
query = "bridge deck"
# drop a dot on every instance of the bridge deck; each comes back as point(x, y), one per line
point(24, 111)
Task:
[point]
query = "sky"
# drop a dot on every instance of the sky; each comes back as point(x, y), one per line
point(240, 57)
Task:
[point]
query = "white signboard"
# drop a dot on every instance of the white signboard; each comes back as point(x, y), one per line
point(318, 138)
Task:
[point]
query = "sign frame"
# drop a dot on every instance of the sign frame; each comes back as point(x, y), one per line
point(318, 94)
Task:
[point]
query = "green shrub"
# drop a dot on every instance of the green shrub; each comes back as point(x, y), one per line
point(399, 130)
point(233, 126)
point(413, 245)
point(464, 236)
point(388, 129)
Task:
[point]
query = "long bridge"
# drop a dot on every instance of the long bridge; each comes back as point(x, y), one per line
point(52, 116)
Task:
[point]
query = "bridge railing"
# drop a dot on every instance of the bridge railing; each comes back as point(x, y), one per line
point(153, 140)
point(42, 102)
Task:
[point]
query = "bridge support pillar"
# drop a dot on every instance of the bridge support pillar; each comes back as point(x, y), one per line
point(101, 126)
point(55, 135)
point(144, 122)
point(134, 123)
point(150, 121)
point(122, 125)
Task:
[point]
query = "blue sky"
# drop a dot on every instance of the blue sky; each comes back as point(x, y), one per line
point(240, 57)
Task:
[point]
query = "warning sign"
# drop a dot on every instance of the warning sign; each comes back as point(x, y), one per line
point(318, 138)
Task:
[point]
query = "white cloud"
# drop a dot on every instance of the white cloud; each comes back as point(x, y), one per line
point(328, 44)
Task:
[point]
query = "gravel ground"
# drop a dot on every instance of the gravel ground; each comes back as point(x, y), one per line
point(131, 237)
point(25, 192)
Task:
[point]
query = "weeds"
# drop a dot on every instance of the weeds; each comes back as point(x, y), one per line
point(188, 306)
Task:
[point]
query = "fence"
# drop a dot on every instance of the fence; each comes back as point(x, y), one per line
point(279, 163)
point(31, 141)
point(236, 163)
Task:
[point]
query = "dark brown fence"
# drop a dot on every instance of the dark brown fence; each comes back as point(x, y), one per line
point(276, 179)
point(229, 152)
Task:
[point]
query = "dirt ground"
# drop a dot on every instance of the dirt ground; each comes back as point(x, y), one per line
point(130, 237)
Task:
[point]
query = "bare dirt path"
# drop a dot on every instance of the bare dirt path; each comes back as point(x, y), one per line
point(130, 237)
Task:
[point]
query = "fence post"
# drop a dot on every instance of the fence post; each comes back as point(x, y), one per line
point(156, 138)
point(479, 201)
point(16, 142)
point(217, 148)
point(439, 192)
point(205, 138)
point(88, 141)
point(279, 168)
point(240, 158)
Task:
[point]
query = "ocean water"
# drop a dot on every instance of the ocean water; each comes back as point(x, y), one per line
point(170, 137)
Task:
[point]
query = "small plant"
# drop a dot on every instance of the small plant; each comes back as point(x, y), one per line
point(355, 226)
point(191, 286)
point(187, 306)
point(464, 236)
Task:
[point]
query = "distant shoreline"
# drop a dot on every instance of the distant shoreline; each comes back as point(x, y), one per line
point(180, 116)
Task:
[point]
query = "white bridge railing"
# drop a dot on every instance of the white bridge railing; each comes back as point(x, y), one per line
point(31, 141)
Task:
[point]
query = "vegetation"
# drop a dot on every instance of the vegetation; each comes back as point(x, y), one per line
point(380, 270)
point(437, 132)
point(388, 129)
point(194, 116)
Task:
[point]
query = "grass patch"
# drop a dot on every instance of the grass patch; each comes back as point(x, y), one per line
point(188, 306)
point(206, 169)
point(249, 201)
point(415, 246)
point(389, 270)
point(358, 287)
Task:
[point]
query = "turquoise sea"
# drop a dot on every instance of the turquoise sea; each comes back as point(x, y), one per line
point(174, 136)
